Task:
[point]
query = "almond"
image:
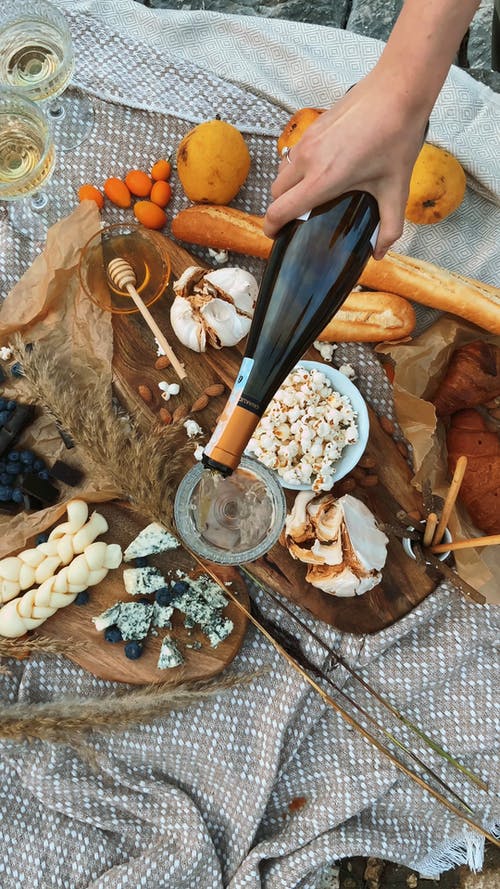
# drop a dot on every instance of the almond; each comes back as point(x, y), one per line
point(199, 404)
point(145, 393)
point(387, 425)
point(165, 416)
point(214, 390)
point(162, 362)
point(369, 481)
point(180, 413)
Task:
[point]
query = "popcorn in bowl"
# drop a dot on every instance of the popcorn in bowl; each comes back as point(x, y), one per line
point(308, 425)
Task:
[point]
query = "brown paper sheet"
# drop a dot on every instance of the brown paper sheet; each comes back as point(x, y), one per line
point(419, 367)
point(49, 305)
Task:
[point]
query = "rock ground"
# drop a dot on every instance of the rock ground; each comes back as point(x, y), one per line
point(375, 18)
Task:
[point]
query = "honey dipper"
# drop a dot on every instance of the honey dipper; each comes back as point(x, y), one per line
point(122, 275)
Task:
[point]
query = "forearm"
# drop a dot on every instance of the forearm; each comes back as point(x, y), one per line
point(421, 48)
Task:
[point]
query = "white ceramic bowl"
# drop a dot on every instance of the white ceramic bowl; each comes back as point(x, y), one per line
point(352, 453)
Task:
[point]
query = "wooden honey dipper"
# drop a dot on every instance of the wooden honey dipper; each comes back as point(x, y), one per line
point(122, 275)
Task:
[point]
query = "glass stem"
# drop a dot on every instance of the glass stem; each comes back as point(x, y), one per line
point(39, 201)
point(56, 110)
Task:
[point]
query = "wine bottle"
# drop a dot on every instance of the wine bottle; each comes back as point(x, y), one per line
point(314, 263)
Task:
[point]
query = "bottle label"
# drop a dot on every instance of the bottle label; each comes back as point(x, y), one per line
point(239, 385)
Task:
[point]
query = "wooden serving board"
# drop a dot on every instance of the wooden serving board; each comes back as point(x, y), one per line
point(107, 660)
point(404, 583)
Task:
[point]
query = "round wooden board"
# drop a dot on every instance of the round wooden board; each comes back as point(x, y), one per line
point(107, 660)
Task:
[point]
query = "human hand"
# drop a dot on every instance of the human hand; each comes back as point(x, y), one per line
point(368, 141)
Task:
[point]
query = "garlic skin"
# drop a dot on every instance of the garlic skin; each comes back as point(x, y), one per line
point(213, 307)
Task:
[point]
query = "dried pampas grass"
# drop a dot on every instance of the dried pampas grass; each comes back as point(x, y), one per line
point(60, 721)
point(144, 467)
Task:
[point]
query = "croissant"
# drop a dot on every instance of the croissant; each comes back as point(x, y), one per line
point(480, 489)
point(472, 378)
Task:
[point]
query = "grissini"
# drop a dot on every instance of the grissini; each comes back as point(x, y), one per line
point(224, 228)
point(368, 317)
point(433, 286)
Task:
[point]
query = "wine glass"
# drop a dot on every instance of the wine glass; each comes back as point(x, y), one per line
point(36, 57)
point(26, 161)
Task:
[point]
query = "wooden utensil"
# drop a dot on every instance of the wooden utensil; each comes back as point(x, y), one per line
point(489, 540)
point(451, 496)
point(123, 276)
point(430, 527)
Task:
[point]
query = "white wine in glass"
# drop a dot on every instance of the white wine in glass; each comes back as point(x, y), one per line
point(26, 162)
point(37, 58)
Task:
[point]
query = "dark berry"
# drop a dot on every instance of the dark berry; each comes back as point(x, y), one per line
point(180, 587)
point(27, 457)
point(11, 405)
point(17, 495)
point(14, 457)
point(14, 468)
point(82, 598)
point(163, 596)
point(38, 464)
point(112, 634)
point(43, 473)
point(4, 417)
point(42, 538)
point(5, 493)
point(5, 478)
point(17, 369)
point(141, 562)
point(133, 650)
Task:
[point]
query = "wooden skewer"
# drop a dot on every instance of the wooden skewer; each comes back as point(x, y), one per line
point(451, 496)
point(490, 540)
point(430, 527)
point(123, 276)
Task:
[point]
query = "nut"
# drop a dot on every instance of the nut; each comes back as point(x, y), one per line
point(145, 393)
point(199, 404)
point(180, 413)
point(162, 362)
point(214, 390)
point(387, 425)
point(165, 416)
point(369, 481)
point(367, 462)
point(346, 486)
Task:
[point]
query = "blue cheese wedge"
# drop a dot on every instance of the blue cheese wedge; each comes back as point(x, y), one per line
point(170, 655)
point(134, 620)
point(217, 629)
point(107, 618)
point(143, 581)
point(162, 615)
point(152, 539)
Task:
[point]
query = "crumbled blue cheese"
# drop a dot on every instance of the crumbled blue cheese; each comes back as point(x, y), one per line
point(170, 655)
point(217, 629)
point(210, 591)
point(152, 539)
point(143, 581)
point(107, 618)
point(194, 607)
point(162, 615)
point(134, 620)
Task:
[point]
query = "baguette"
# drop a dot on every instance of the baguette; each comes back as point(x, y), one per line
point(433, 286)
point(370, 318)
point(224, 228)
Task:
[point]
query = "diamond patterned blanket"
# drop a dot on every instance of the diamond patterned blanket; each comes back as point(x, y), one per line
point(201, 799)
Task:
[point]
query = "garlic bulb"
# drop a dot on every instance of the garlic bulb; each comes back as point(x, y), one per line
point(213, 308)
point(338, 540)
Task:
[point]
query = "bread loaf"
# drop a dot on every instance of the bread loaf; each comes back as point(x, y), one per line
point(433, 286)
point(224, 228)
point(472, 378)
point(480, 488)
point(368, 317)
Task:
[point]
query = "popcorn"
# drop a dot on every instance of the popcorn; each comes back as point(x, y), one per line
point(326, 350)
point(168, 389)
point(192, 428)
point(5, 353)
point(198, 452)
point(348, 371)
point(304, 430)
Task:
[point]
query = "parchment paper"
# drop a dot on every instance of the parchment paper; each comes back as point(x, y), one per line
point(419, 366)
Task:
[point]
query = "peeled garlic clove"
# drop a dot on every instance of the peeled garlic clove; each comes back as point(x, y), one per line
point(187, 325)
point(368, 542)
point(223, 325)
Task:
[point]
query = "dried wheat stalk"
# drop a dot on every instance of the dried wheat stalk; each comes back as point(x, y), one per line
point(38, 644)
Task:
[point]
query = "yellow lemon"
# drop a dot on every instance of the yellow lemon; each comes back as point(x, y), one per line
point(213, 162)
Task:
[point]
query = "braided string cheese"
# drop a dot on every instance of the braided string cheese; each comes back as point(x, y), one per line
point(32, 609)
point(34, 566)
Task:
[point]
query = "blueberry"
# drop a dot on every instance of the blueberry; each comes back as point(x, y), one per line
point(5, 478)
point(82, 598)
point(13, 457)
point(42, 538)
point(4, 417)
point(38, 464)
point(14, 468)
point(43, 473)
point(11, 405)
point(164, 596)
point(17, 369)
point(27, 457)
point(180, 587)
point(141, 562)
point(133, 650)
point(17, 495)
point(112, 634)
point(5, 493)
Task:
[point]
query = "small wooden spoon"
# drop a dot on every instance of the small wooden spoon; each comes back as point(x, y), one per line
point(123, 276)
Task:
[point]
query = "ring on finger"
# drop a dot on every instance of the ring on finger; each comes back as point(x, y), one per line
point(285, 154)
